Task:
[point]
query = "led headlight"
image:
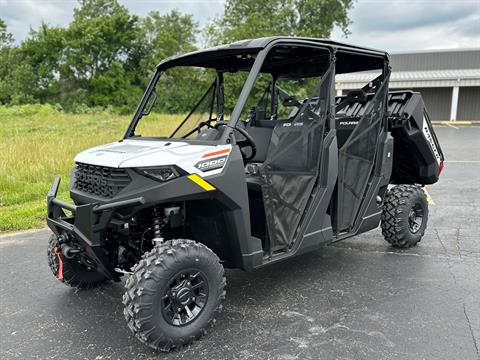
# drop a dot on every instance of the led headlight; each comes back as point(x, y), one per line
point(162, 173)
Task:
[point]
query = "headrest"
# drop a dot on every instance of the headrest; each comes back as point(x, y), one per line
point(356, 96)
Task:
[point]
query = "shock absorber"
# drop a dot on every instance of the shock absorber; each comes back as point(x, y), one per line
point(157, 226)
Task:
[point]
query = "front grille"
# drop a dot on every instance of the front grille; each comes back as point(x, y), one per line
point(101, 181)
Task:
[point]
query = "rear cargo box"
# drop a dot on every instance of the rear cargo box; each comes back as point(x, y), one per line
point(417, 156)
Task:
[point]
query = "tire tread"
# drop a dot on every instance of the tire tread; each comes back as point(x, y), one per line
point(394, 229)
point(135, 296)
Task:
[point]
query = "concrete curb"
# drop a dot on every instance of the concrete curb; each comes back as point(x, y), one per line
point(455, 122)
point(7, 234)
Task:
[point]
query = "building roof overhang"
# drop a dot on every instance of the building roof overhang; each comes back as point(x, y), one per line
point(414, 79)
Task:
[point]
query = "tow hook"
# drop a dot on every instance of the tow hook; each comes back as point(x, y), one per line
point(67, 251)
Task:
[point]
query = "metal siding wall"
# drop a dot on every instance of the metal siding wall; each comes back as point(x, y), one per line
point(469, 59)
point(469, 103)
point(438, 102)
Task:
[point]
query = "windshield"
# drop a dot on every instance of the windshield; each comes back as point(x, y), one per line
point(180, 99)
point(184, 100)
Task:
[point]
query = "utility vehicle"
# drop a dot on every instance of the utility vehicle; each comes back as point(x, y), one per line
point(269, 164)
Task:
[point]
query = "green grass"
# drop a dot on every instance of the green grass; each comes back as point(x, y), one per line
point(37, 142)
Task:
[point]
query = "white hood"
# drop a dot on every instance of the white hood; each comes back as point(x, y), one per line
point(114, 154)
point(150, 153)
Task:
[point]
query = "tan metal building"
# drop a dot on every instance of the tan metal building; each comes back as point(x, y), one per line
point(449, 81)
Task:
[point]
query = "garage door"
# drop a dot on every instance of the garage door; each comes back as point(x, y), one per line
point(438, 102)
point(469, 103)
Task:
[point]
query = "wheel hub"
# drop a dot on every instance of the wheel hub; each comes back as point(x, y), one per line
point(185, 297)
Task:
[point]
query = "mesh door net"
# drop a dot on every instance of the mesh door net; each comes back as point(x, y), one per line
point(357, 157)
point(291, 168)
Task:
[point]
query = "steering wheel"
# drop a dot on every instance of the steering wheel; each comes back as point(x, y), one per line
point(248, 142)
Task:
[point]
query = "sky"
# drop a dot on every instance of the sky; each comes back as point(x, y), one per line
point(391, 25)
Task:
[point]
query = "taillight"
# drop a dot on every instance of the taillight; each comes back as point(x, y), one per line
point(440, 168)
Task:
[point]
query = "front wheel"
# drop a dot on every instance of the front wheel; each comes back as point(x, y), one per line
point(70, 271)
point(174, 294)
point(404, 216)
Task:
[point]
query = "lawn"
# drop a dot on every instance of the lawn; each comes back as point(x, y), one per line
point(39, 142)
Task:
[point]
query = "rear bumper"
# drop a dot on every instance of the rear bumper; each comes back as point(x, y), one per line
point(86, 225)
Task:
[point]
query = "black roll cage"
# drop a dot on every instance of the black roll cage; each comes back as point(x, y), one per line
point(227, 135)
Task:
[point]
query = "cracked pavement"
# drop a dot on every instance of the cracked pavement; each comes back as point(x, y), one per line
point(358, 299)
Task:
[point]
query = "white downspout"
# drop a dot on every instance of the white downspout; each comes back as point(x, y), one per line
point(454, 107)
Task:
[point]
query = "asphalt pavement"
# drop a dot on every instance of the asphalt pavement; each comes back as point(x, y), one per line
point(358, 299)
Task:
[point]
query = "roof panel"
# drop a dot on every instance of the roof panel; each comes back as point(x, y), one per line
point(260, 43)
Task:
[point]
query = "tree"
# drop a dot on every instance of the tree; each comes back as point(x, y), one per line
point(103, 57)
point(10, 71)
point(6, 38)
point(169, 35)
point(102, 31)
point(246, 19)
point(97, 45)
point(43, 53)
point(5, 41)
point(165, 36)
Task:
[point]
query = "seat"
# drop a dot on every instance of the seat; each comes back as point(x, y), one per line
point(261, 136)
point(348, 112)
point(344, 127)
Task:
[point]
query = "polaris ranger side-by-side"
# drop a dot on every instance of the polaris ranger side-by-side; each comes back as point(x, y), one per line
point(248, 178)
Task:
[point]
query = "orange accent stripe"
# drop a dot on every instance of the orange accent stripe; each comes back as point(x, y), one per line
point(219, 152)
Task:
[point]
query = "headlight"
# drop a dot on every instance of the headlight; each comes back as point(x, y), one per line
point(162, 173)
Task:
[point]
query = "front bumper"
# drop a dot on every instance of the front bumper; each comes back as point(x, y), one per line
point(86, 226)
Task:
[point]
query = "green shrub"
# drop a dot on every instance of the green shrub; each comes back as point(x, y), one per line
point(30, 110)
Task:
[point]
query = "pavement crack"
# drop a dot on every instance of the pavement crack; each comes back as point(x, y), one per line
point(475, 345)
point(317, 330)
point(290, 314)
point(457, 241)
point(397, 253)
point(440, 240)
point(448, 258)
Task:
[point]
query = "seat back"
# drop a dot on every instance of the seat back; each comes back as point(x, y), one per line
point(291, 146)
point(344, 127)
point(349, 109)
point(262, 137)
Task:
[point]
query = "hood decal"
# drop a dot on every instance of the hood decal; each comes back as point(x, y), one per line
point(211, 164)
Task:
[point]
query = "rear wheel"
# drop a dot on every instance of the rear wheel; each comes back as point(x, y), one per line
point(404, 216)
point(174, 294)
point(70, 271)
